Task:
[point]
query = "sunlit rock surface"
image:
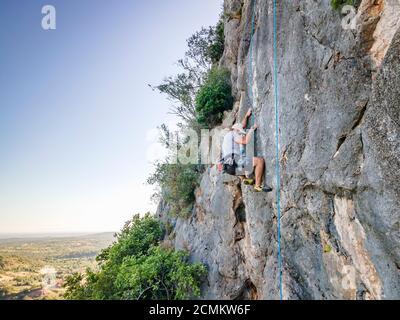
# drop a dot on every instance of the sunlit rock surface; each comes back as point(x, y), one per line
point(339, 157)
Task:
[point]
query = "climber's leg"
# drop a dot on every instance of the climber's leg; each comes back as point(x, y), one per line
point(259, 169)
point(259, 166)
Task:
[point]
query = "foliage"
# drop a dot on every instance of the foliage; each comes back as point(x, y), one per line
point(205, 48)
point(338, 4)
point(76, 291)
point(214, 97)
point(327, 248)
point(162, 274)
point(136, 267)
point(135, 239)
point(193, 93)
point(177, 183)
point(197, 56)
point(181, 90)
point(216, 49)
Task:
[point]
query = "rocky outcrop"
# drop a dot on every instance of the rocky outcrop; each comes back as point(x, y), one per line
point(339, 158)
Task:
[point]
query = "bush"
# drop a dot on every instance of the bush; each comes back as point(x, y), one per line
point(204, 49)
point(177, 183)
point(215, 49)
point(136, 267)
point(162, 274)
point(135, 239)
point(338, 4)
point(214, 97)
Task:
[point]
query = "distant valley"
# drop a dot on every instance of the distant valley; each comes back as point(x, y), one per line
point(35, 266)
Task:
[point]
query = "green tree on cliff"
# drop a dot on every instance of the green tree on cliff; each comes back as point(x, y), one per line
point(135, 266)
point(205, 49)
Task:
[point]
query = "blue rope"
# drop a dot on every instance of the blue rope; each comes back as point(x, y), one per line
point(277, 169)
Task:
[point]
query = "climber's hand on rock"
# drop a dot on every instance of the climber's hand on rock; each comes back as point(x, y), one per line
point(248, 114)
point(255, 127)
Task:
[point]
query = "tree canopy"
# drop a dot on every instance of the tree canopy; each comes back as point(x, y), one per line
point(136, 266)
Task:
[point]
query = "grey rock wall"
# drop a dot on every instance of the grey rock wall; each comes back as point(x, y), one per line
point(339, 158)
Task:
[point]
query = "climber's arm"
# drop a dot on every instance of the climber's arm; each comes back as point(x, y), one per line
point(246, 139)
point(246, 118)
point(242, 140)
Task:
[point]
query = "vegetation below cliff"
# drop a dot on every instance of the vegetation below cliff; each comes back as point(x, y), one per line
point(137, 267)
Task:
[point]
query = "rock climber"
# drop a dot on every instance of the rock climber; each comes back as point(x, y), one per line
point(233, 160)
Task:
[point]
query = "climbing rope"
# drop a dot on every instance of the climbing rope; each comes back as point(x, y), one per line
point(277, 168)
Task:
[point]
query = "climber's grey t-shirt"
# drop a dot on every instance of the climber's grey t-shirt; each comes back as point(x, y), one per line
point(227, 144)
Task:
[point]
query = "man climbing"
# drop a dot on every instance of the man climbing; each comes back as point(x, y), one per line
point(234, 159)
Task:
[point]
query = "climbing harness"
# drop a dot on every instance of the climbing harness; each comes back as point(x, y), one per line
point(230, 163)
point(276, 107)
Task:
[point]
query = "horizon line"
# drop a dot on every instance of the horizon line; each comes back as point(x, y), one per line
point(47, 234)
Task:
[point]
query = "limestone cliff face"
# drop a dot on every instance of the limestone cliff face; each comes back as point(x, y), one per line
point(339, 157)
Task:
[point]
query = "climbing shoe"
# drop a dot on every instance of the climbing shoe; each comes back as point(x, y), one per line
point(248, 182)
point(262, 189)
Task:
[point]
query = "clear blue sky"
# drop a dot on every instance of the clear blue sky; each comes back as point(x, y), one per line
point(75, 107)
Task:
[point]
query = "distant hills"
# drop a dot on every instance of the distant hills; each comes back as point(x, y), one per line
point(24, 257)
